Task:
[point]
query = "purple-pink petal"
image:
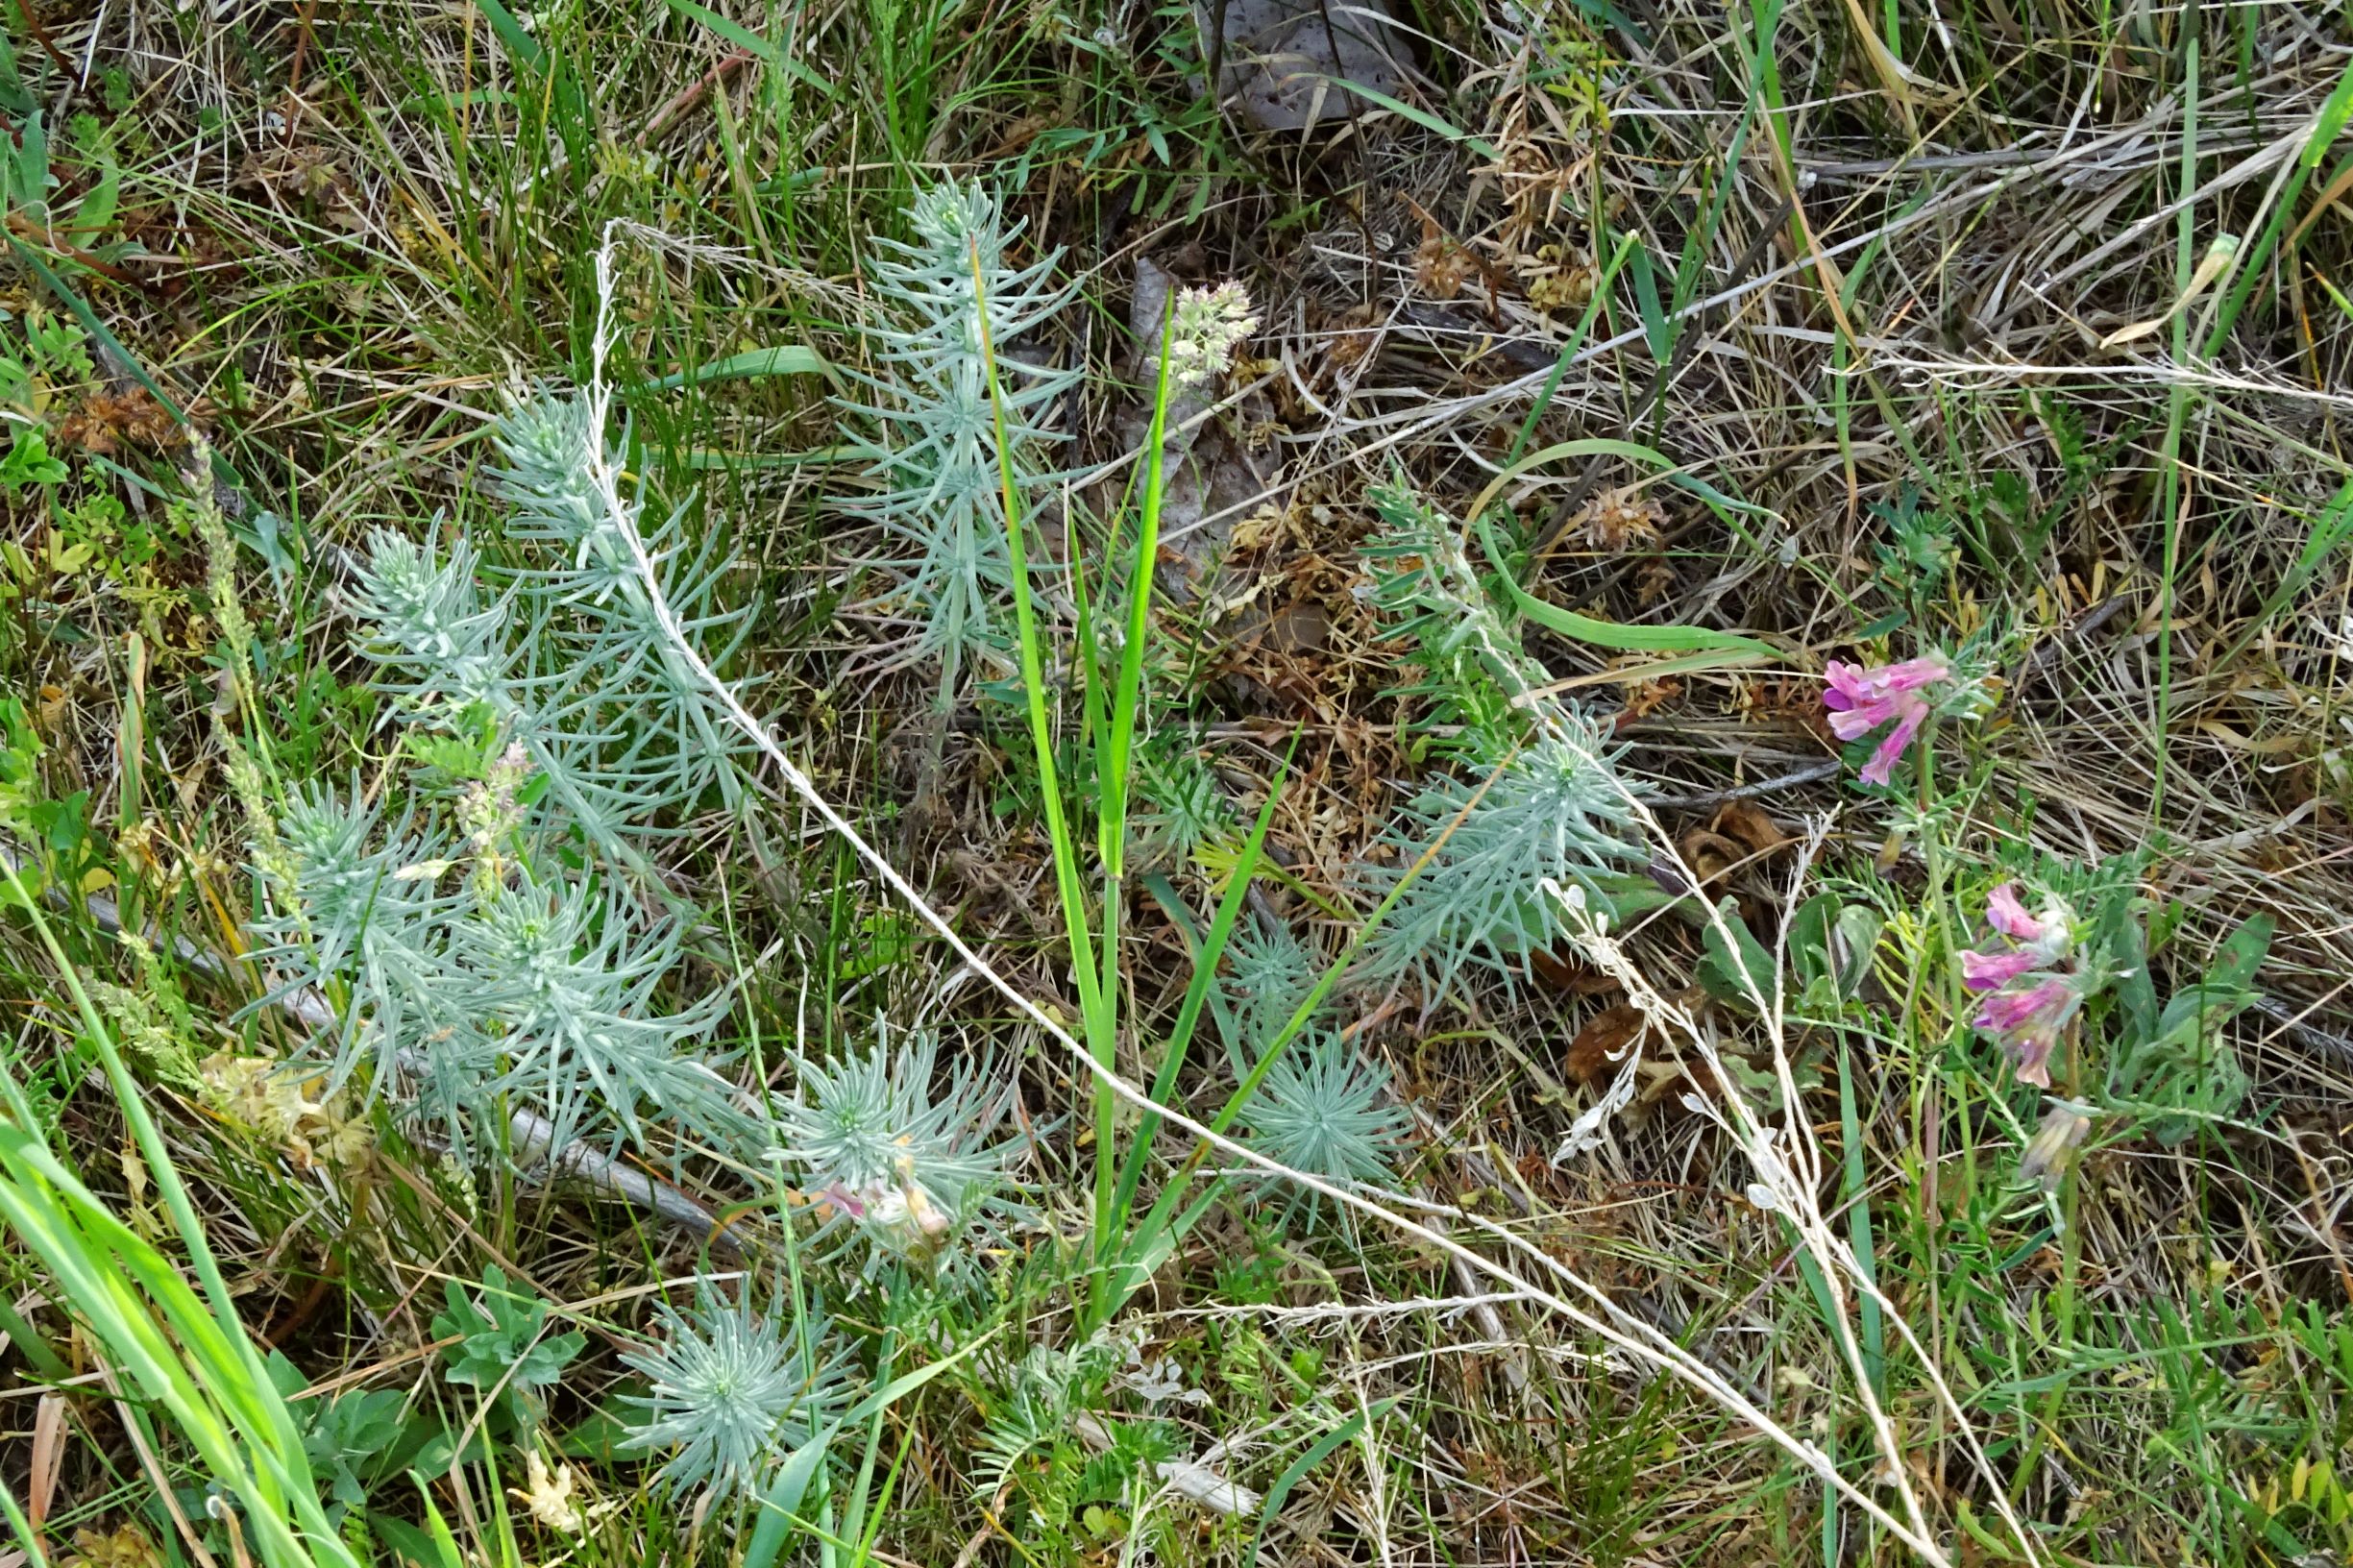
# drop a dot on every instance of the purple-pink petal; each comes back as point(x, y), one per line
point(1855, 723)
point(2031, 1051)
point(1845, 688)
point(2006, 914)
point(1860, 699)
point(2014, 1009)
point(1912, 674)
point(1882, 763)
point(2026, 1024)
point(1991, 971)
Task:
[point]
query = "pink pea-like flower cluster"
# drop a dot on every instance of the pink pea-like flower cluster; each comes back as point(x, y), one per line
point(2029, 999)
point(1863, 697)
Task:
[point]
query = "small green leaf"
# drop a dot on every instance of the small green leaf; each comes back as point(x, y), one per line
point(1657, 329)
point(1720, 972)
point(1855, 939)
point(2243, 952)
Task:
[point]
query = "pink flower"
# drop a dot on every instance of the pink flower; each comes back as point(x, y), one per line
point(1881, 767)
point(2008, 915)
point(843, 1198)
point(1861, 700)
point(2027, 1023)
point(1991, 971)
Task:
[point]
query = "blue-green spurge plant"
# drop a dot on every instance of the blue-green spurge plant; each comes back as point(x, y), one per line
point(1536, 798)
point(732, 1393)
point(484, 967)
point(950, 299)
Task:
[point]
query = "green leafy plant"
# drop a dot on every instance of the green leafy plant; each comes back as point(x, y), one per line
point(1322, 1110)
point(906, 1165)
point(2171, 1064)
point(352, 1437)
point(503, 1349)
point(548, 708)
point(1536, 798)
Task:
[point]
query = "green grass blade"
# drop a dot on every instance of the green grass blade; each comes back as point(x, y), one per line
point(1421, 118)
point(1196, 993)
point(1569, 350)
point(1617, 634)
point(753, 364)
point(1127, 698)
point(764, 50)
point(1297, 1470)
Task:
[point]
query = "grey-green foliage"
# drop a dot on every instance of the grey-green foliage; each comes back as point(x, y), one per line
point(908, 1162)
point(1534, 796)
point(668, 741)
point(542, 999)
point(535, 980)
point(1321, 1108)
point(1270, 972)
point(349, 917)
point(563, 647)
point(1188, 807)
point(1471, 672)
point(565, 1017)
point(732, 1392)
point(930, 441)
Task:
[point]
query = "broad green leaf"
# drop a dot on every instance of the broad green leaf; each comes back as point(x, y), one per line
point(780, 1503)
point(1722, 972)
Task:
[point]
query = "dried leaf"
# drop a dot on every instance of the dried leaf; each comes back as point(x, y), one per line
point(48, 1456)
point(1710, 854)
point(1440, 266)
point(1747, 822)
point(1602, 1044)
